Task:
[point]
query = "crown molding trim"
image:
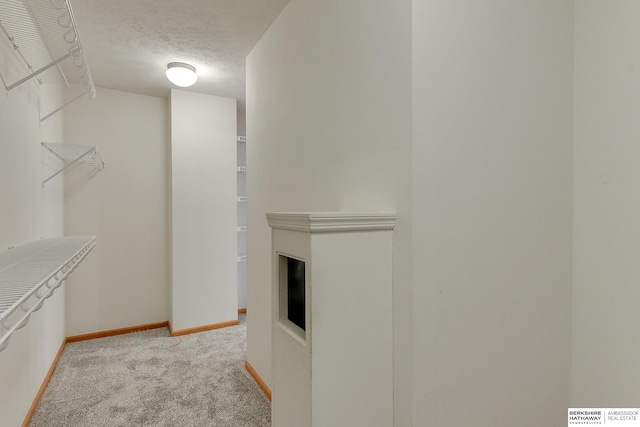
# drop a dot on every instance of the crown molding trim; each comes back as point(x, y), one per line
point(331, 222)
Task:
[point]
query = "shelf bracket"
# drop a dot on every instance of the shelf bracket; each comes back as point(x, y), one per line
point(71, 156)
point(91, 95)
point(35, 73)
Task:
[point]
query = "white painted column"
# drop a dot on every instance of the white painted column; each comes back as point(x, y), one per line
point(338, 369)
point(204, 259)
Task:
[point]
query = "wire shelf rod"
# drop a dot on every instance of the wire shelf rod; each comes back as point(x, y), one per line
point(43, 34)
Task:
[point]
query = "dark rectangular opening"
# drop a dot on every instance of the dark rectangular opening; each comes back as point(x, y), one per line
point(295, 292)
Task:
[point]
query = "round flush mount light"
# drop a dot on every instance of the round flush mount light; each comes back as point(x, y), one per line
point(181, 74)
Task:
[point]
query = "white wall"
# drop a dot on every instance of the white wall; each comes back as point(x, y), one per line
point(52, 130)
point(125, 280)
point(204, 210)
point(492, 160)
point(20, 163)
point(329, 129)
point(242, 122)
point(27, 212)
point(606, 205)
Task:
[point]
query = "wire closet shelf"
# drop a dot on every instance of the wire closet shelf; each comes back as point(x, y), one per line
point(73, 154)
point(43, 34)
point(31, 273)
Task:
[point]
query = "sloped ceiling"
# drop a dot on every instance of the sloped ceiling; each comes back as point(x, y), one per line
point(128, 43)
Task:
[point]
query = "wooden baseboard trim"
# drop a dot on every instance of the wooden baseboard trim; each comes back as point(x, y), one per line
point(260, 381)
point(202, 328)
point(45, 382)
point(120, 331)
point(242, 311)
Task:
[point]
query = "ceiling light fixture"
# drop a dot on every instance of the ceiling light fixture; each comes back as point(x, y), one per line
point(181, 74)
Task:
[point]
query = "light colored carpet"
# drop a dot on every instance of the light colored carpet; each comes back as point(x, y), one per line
point(152, 379)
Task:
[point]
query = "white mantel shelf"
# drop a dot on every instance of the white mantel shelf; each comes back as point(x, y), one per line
point(330, 222)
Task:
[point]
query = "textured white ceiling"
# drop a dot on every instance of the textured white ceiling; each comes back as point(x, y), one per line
point(128, 43)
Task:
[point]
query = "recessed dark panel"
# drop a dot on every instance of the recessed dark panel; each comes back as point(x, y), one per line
point(295, 292)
